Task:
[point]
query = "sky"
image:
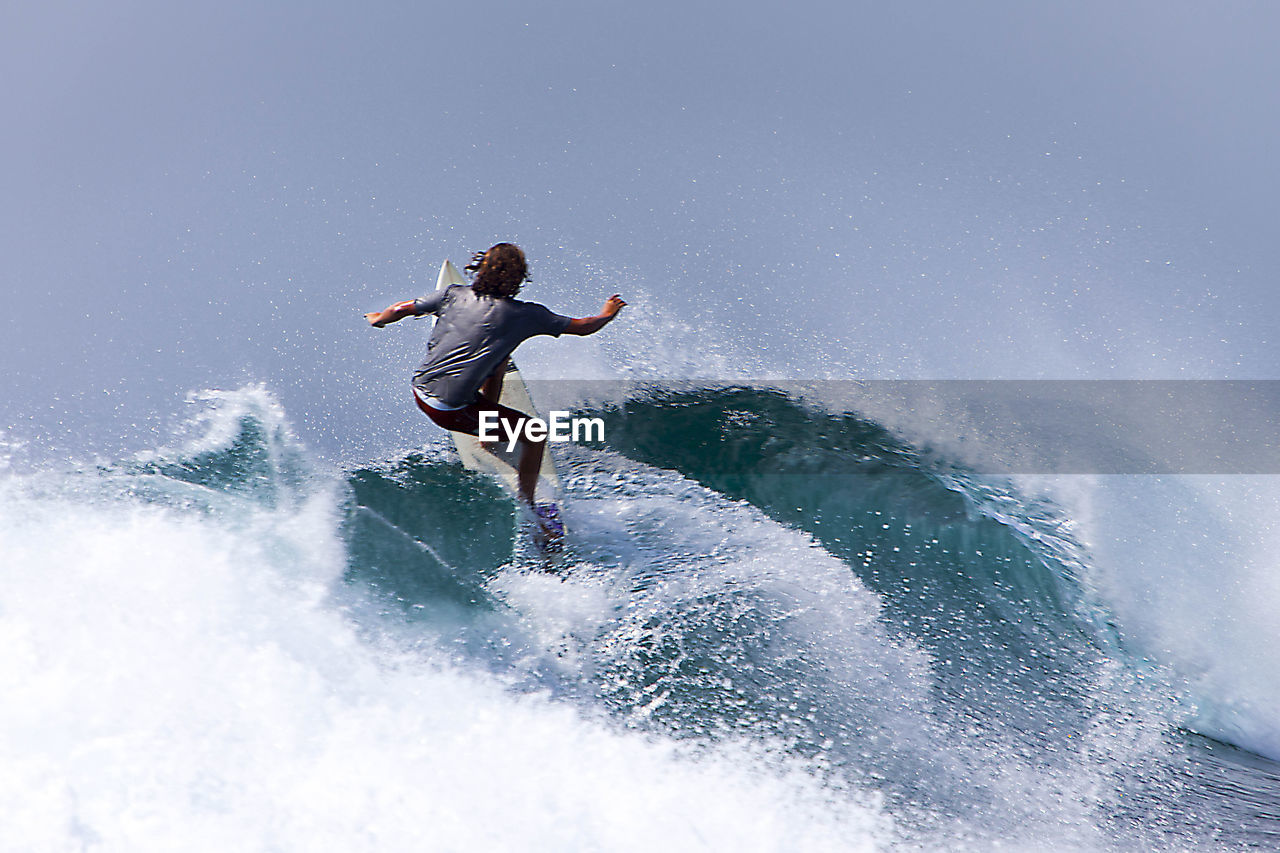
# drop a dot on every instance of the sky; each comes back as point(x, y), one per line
point(204, 195)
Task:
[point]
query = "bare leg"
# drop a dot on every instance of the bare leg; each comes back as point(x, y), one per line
point(530, 464)
point(492, 388)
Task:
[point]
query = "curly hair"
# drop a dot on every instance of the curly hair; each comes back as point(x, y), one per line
point(500, 271)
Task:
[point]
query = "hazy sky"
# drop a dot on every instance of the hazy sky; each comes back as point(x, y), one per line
point(201, 195)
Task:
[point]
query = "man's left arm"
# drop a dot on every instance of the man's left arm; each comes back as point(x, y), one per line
point(396, 312)
point(409, 308)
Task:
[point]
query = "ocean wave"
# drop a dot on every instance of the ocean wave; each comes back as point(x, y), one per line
point(735, 648)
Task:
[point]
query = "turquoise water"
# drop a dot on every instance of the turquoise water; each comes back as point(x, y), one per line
point(775, 627)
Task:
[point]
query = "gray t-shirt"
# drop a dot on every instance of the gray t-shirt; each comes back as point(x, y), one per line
point(473, 334)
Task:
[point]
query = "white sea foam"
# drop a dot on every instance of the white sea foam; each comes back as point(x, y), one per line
point(177, 679)
point(1188, 565)
point(662, 557)
point(178, 676)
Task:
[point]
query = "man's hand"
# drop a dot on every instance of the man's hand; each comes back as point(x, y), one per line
point(613, 305)
point(375, 319)
point(591, 325)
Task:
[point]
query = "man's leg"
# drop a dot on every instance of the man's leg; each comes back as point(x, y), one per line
point(467, 420)
point(492, 388)
point(530, 463)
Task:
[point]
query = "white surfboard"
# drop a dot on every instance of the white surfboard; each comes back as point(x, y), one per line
point(492, 457)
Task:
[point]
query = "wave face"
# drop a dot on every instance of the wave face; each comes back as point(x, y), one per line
point(220, 645)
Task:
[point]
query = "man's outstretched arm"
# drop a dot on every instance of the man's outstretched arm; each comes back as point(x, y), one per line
point(396, 312)
point(591, 325)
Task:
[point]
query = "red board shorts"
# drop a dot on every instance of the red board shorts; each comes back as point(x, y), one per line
point(467, 419)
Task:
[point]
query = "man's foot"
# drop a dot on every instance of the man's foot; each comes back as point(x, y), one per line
point(548, 517)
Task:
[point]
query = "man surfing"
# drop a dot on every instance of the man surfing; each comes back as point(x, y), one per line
point(477, 328)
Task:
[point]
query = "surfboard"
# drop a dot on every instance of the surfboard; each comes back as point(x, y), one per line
point(492, 458)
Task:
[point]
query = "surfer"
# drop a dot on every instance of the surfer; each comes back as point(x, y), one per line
point(476, 330)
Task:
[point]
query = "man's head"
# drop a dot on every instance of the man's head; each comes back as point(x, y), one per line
point(500, 271)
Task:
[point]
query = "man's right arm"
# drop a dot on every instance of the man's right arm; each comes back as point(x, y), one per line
point(591, 325)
